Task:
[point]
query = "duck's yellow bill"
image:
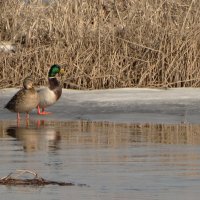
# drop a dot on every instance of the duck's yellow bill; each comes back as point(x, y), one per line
point(61, 71)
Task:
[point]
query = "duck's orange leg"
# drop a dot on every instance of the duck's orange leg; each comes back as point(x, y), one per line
point(27, 116)
point(18, 117)
point(18, 120)
point(43, 112)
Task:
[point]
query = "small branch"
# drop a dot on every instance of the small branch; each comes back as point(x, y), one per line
point(23, 171)
point(37, 180)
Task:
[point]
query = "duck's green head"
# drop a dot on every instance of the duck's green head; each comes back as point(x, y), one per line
point(55, 69)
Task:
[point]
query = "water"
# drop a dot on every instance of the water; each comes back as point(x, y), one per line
point(115, 161)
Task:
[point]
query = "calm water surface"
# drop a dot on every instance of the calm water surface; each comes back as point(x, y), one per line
point(115, 161)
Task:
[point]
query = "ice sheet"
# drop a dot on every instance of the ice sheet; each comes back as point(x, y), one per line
point(137, 105)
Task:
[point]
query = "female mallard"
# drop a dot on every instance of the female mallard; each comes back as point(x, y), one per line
point(24, 100)
point(49, 95)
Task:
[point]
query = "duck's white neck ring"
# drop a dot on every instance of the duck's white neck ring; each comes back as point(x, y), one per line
point(51, 77)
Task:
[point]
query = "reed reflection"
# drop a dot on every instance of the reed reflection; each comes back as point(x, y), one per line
point(48, 134)
point(124, 134)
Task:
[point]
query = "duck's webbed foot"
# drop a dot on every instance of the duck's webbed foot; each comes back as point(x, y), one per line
point(43, 111)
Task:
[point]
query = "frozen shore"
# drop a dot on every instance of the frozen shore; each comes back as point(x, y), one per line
point(131, 105)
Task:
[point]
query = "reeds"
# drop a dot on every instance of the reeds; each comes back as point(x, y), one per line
point(103, 43)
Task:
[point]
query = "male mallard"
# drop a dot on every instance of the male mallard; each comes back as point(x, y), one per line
point(24, 100)
point(49, 95)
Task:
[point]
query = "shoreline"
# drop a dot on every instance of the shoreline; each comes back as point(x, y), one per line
point(127, 105)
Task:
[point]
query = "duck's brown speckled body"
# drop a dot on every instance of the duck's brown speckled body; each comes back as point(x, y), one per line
point(25, 100)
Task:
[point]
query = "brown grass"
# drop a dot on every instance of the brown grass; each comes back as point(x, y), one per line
point(103, 43)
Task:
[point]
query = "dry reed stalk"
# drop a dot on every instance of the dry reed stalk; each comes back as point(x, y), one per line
point(103, 43)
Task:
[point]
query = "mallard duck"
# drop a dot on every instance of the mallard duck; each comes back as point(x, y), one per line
point(49, 95)
point(25, 100)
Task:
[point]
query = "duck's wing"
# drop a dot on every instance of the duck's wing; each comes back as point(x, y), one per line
point(23, 101)
point(16, 99)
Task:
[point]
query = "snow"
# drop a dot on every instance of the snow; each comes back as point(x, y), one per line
point(127, 105)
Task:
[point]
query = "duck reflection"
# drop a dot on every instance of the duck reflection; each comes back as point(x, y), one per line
point(35, 138)
point(48, 134)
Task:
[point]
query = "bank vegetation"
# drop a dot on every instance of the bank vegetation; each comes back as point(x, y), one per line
point(102, 43)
